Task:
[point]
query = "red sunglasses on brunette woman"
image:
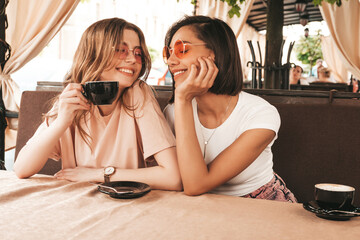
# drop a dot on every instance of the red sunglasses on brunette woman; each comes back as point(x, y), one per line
point(180, 49)
point(123, 51)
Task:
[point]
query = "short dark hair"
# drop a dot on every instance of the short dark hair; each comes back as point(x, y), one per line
point(219, 38)
point(302, 70)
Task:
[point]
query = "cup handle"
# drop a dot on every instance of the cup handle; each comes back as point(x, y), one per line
point(345, 203)
point(83, 92)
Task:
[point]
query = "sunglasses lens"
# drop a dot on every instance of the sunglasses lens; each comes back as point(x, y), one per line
point(179, 49)
point(123, 51)
point(138, 54)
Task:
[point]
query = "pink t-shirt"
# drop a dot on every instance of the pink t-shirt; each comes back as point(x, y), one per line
point(114, 140)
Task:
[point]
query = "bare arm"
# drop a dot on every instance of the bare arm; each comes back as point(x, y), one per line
point(34, 155)
point(166, 176)
point(200, 178)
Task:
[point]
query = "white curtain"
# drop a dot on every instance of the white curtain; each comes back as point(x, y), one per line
point(219, 9)
point(32, 24)
point(243, 32)
point(344, 26)
point(332, 59)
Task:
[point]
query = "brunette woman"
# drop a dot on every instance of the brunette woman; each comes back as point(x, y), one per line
point(223, 135)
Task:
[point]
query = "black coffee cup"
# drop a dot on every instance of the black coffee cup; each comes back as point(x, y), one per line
point(334, 196)
point(101, 92)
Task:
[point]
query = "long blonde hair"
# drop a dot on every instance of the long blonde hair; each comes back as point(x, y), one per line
point(94, 55)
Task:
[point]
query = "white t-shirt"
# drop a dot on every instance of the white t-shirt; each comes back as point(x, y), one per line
point(251, 112)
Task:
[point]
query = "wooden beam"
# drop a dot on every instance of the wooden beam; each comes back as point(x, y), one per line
point(274, 38)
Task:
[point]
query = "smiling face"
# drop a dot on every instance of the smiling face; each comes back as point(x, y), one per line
point(180, 65)
point(125, 67)
point(296, 73)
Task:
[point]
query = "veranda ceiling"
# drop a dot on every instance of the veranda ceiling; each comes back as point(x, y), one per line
point(258, 14)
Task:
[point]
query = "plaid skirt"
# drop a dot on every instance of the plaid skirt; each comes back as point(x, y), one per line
point(274, 190)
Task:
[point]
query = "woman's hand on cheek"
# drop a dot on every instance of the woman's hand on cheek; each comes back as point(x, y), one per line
point(199, 81)
point(211, 73)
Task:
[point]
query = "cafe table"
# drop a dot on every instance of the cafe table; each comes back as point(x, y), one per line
point(42, 207)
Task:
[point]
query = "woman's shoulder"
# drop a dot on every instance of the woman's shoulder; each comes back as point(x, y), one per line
point(255, 112)
point(169, 114)
point(252, 104)
point(252, 100)
point(169, 108)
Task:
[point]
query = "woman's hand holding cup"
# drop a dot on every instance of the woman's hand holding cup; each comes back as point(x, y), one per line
point(71, 100)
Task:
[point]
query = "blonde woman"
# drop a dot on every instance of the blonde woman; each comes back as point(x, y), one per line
point(100, 142)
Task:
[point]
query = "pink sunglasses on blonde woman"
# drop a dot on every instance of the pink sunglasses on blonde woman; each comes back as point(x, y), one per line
point(180, 49)
point(123, 51)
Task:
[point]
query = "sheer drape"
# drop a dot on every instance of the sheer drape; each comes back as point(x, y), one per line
point(332, 59)
point(243, 32)
point(218, 9)
point(344, 26)
point(32, 24)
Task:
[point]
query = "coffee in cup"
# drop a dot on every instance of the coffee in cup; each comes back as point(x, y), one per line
point(334, 196)
point(101, 92)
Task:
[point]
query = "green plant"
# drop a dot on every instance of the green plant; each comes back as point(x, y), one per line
point(319, 2)
point(308, 50)
point(154, 54)
point(235, 7)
